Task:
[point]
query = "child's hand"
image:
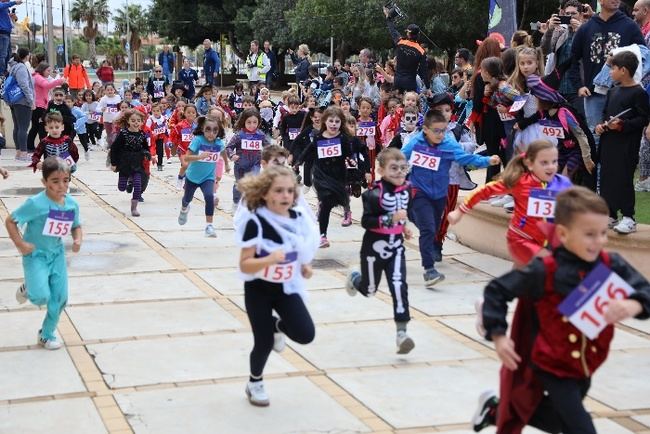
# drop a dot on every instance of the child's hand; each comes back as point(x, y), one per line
point(25, 248)
point(204, 155)
point(76, 246)
point(399, 215)
point(368, 178)
point(227, 168)
point(495, 160)
point(454, 216)
point(616, 125)
point(502, 109)
point(618, 310)
point(599, 129)
point(39, 165)
point(307, 271)
point(4, 172)
point(515, 127)
point(408, 233)
point(277, 256)
point(114, 168)
point(590, 166)
point(234, 158)
point(505, 348)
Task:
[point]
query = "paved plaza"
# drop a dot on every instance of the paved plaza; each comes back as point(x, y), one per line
point(157, 339)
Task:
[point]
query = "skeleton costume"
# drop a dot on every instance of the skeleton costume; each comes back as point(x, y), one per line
point(382, 248)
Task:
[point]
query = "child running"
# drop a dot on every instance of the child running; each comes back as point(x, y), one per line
point(55, 144)
point(430, 154)
point(49, 217)
point(202, 158)
point(157, 126)
point(79, 125)
point(566, 351)
point(245, 149)
point(382, 249)
point(129, 150)
point(277, 244)
point(181, 136)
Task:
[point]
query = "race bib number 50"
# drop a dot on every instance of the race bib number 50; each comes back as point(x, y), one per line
point(58, 223)
point(329, 148)
point(213, 151)
point(585, 306)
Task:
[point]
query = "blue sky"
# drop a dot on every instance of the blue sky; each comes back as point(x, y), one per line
point(35, 5)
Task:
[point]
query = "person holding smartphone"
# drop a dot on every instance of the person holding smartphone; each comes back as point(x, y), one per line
point(558, 36)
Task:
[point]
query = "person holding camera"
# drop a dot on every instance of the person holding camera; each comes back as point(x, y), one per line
point(557, 39)
point(5, 34)
point(258, 65)
point(411, 57)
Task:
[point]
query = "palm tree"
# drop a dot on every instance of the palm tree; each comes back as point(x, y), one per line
point(138, 26)
point(93, 13)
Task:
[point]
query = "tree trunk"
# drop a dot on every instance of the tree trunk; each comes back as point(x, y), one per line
point(92, 52)
point(524, 12)
point(234, 46)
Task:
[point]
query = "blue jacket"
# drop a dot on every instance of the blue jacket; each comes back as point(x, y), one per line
point(5, 21)
point(188, 77)
point(603, 79)
point(170, 62)
point(434, 183)
point(80, 123)
point(302, 66)
point(211, 62)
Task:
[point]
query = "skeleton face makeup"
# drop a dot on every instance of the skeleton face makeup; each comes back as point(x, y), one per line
point(409, 121)
point(267, 114)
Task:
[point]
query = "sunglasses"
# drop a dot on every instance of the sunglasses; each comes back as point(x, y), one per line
point(403, 168)
point(158, 70)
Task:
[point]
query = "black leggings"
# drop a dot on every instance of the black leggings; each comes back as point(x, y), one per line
point(93, 132)
point(295, 321)
point(324, 210)
point(160, 151)
point(38, 127)
point(562, 411)
point(207, 188)
point(83, 138)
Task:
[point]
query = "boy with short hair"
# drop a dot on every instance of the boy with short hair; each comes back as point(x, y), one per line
point(382, 249)
point(57, 104)
point(291, 122)
point(430, 153)
point(274, 155)
point(55, 144)
point(620, 139)
point(563, 357)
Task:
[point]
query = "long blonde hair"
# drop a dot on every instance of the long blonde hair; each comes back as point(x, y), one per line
point(517, 79)
point(255, 187)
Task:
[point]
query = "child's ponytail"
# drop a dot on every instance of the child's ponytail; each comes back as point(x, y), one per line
point(516, 168)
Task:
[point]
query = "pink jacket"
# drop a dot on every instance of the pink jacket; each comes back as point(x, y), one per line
point(42, 87)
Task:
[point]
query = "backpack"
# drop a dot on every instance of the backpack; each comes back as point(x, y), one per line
point(11, 92)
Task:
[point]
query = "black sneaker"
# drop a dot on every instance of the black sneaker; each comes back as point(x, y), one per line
point(485, 414)
point(129, 187)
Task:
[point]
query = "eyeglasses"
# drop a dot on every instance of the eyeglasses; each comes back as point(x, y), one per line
point(437, 131)
point(402, 168)
point(157, 70)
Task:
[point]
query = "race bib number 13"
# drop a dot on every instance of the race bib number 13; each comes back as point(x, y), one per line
point(585, 306)
point(58, 223)
point(541, 203)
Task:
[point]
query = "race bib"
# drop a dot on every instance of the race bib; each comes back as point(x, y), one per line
point(239, 104)
point(293, 133)
point(112, 108)
point(212, 150)
point(518, 103)
point(505, 116)
point(585, 305)
point(282, 272)
point(65, 156)
point(426, 158)
point(159, 130)
point(186, 135)
point(329, 148)
point(58, 223)
point(251, 142)
point(159, 94)
point(551, 129)
point(97, 116)
point(541, 203)
point(366, 129)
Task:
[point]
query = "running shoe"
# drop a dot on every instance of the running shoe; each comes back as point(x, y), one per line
point(404, 343)
point(485, 414)
point(256, 394)
point(182, 216)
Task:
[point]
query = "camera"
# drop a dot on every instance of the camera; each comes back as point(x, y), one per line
point(394, 12)
point(534, 26)
point(565, 19)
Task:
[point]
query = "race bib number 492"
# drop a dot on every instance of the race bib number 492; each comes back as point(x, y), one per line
point(585, 306)
point(551, 129)
point(329, 148)
point(58, 223)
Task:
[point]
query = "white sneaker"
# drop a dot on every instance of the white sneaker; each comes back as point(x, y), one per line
point(642, 185)
point(501, 201)
point(87, 155)
point(404, 343)
point(209, 232)
point(50, 344)
point(256, 394)
point(279, 342)
point(21, 294)
point(612, 222)
point(627, 225)
point(510, 203)
point(179, 182)
point(478, 307)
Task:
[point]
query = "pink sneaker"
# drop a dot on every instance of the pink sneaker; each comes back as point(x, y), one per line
point(324, 243)
point(347, 219)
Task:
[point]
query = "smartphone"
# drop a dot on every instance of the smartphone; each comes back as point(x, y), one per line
point(565, 19)
point(534, 26)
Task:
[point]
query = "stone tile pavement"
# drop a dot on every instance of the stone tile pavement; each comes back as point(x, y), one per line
point(157, 339)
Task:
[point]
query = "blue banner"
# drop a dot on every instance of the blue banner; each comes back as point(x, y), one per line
point(503, 18)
